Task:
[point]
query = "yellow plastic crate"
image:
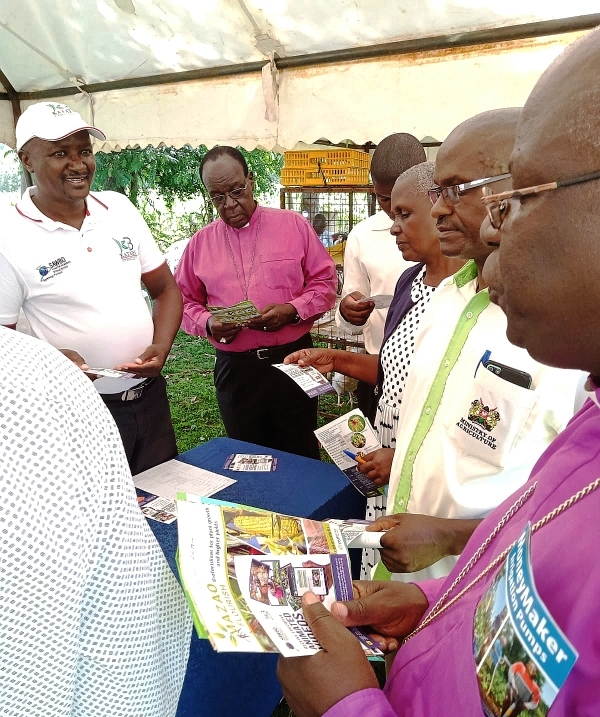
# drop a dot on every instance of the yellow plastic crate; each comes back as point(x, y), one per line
point(324, 177)
point(327, 158)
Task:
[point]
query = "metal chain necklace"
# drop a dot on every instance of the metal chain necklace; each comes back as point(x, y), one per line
point(441, 605)
point(246, 286)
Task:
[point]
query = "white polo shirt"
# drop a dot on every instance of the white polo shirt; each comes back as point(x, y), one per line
point(372, 265)
point(466, 438)
point(80, 288)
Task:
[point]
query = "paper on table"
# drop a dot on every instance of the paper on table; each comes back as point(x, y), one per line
point(168, 478)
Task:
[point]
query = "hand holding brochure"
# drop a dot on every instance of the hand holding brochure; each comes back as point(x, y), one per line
point(244, 571)
point(351, 435)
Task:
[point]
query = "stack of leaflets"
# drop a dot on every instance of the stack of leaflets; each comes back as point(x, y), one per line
point(236, 314)
point(244, 571)
point(347, 440)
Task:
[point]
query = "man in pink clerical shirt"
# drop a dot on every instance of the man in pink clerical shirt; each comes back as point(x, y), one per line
point(545, 277)
point(273, 258)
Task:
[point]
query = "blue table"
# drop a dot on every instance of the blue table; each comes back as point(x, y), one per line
point(244, 685)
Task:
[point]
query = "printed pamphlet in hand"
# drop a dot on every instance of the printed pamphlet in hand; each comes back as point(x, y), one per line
point(308, 378)
point(244, 571)
point(347, 436)
point(236, 314)
point(381, 301)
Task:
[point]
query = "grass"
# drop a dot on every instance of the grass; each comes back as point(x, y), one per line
point(194, 410)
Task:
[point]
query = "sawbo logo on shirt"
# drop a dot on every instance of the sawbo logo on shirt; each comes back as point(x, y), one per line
point(481, 422)
point(53, 268)
point(128, 253)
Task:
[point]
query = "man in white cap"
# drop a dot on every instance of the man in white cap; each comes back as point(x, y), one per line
point(73, 261)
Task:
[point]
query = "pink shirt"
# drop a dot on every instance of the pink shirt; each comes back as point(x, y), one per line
point(434, 672)
point(290, 266)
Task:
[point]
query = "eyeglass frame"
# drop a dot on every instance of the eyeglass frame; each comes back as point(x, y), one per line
point(220, 199)
point(436, 192)
point(503, 198)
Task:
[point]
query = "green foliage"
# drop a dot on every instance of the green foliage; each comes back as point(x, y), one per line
point(172, 175)
point(9, 181)
point(10, 177)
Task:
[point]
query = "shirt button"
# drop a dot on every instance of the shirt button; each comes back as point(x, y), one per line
point(469, 314)
point(446, 363)
point(428, 410)
point(411, 458)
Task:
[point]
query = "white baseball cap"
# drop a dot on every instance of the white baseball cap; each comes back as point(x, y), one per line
point(51, 121)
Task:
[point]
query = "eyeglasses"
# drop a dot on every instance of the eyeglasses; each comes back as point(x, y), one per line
point(219, 199)
point(453, 194)
point(497, 204)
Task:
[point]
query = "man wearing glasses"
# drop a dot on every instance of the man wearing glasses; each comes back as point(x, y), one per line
point(477, 411)
point(273, 258)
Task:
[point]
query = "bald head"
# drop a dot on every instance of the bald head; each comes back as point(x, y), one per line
point(478, 148)
point(562, 115)
point(482, 145)
point(550, 242)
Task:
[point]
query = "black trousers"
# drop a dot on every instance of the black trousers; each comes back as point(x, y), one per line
point(260, 404)
point(145, 426)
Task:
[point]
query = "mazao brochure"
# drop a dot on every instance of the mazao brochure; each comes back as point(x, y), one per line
point(347, 440)
point(244, 571)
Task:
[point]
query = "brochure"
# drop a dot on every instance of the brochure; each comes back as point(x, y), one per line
point(162, 510)
point(244, 571)
point(250, 462)
point(381, 301)
point(236, 314)
point(308, 378)
point(347, 440)
point(521, 655)
point(110, 373)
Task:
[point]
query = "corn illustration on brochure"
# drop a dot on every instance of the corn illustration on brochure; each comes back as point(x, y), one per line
point(244, 571)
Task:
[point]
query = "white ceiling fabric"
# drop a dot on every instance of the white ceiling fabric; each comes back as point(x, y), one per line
point(50, 44)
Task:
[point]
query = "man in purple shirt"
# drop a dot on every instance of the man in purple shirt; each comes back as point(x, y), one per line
point(545, 278)
point(273, 258)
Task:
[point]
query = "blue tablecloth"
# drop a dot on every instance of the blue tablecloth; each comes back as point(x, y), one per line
point(244, 685)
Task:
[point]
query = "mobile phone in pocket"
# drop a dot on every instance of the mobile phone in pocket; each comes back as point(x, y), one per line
point(508, 373)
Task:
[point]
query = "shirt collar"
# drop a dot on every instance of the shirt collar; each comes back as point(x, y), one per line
point(592, 386)
point(381, 222)
point(465, 274)
point(94, 208)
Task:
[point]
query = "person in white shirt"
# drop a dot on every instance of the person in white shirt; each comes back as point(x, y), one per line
point(92, 620)
point(74, 261)
point(372, 262)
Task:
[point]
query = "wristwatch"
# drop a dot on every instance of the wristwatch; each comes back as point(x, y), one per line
point(296, 319)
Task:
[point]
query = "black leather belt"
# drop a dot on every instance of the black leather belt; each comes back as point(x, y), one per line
point(132, 394)
point(268, 352)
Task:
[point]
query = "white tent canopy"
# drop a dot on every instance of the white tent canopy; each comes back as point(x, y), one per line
point(270, 73)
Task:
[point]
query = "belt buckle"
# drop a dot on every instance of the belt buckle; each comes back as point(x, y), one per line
point(266, 352)
point(132, 394)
